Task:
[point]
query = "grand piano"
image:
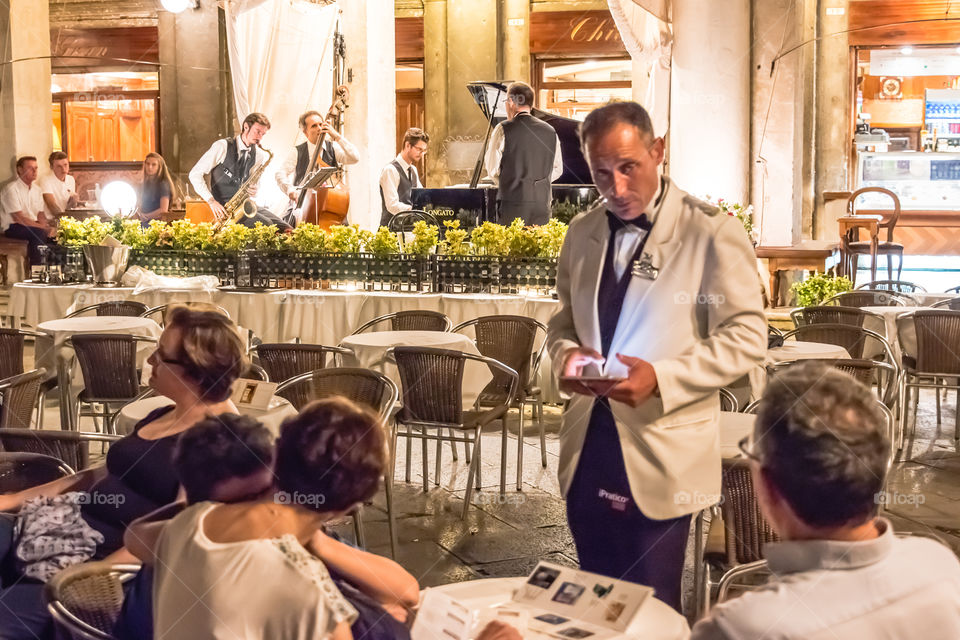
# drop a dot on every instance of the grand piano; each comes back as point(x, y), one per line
point(477, 203)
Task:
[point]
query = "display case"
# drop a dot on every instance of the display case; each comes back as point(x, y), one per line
point(922, 181)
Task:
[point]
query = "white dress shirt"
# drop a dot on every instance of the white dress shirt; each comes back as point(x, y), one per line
point(390, 181)
point(343, 150)
point(629, 236)
point(214, 156)
point(61, 190)
point(495, 153)
point(888, 587)
point(17, 196)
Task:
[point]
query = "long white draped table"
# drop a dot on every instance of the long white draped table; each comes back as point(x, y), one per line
point(319, 317)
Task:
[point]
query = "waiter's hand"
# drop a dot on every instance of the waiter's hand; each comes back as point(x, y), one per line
point(641, 382)
point(218, 211)
point(574, 361)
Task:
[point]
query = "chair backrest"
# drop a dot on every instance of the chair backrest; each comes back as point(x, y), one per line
point(11, 352)
point(868, 298)
point(113, 308)
point(411, 320)
point(363, 386)
point(728, 401)
point(85, 599)
point(18, 395)
point(899, 286)
point(161, 310)
point(952, 303)
point(283, 361)
point(109, 365)
point(72, 447)
point(955, 289)
point(745, 528)
point(938, 339)
point(516, 341)
point(863, 370)
point(829, 314)
point(405, 220)
point(858, 342)
point(19, 471)
point(894, 217)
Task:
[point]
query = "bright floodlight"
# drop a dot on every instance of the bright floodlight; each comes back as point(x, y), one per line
point(118, 198)
point(906, 50)
point(176, 6)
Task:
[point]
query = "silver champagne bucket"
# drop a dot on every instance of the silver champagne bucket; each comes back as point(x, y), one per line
point(107, 264)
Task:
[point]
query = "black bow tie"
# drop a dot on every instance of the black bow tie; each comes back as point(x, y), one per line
point(616, 223)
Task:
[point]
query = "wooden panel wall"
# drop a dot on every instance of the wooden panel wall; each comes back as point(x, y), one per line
point(885, 22)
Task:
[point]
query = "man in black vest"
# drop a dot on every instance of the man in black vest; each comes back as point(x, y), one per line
point(400, 175)
point(229, 162)
point(336, 152)
point(523, 157)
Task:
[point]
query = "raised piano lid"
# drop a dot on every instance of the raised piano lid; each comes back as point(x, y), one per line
point(491, 96)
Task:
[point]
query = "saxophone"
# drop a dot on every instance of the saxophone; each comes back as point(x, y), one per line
point(240, 204)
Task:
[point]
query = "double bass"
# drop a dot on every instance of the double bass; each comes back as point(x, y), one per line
point(324, 206)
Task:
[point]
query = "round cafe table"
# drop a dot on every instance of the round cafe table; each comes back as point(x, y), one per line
point(734, 427)
point(277, 411)
point(791, 350)
point(52, 352)
point(654, 621)
point(370, 352)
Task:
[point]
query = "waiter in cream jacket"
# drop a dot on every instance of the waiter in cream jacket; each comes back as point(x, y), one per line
point(658, 289)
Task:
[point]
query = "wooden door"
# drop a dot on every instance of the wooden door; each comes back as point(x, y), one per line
point(410, 114)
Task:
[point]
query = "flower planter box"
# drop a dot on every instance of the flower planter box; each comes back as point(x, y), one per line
point(397, 273)
point(528, 275)
point(466, 274)
point(164, 262)
point(212, 263)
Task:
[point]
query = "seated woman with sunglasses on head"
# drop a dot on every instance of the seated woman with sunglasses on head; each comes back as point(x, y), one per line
point(198, 357)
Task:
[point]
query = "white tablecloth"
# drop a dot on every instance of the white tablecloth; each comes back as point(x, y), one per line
point(655, 620)
point(734, 427)
point(131, 414)
point(792, 350)
point(890, 332)
point(369, 351)
point(319, 317)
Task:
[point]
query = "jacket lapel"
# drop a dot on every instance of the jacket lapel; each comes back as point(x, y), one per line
point(594, 249)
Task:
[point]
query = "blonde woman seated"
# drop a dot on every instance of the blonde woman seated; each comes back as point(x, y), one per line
point(257, 569)
point(157, 189)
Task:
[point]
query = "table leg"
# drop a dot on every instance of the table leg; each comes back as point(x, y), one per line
point(774, 267)
point(874, 247)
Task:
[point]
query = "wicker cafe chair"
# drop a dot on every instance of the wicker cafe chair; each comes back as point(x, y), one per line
point(832, 314)
point(411, 320)
point(868, 372)
point(868, 298)
point(936, 359)
point(953, 290)
point(109, 365)
point(129, 308)
point(405, 220)
point(19, 471)
point(161, 310)
point(283, 361)
point(85, 599)
point(728, 401)
point(365, 387)
point(952, 303)
point(432, 384)
point(18, 398)
point(858, 342)
point(518, 342)
point(72, 447)
point(12, 347)
point(898, 286)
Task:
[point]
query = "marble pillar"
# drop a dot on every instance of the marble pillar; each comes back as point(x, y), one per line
point(435, 86)
point(515, 40)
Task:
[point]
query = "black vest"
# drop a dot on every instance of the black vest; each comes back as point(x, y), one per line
point(327, 155)
point(529, 147)
point(403, 192)
point(226, 177)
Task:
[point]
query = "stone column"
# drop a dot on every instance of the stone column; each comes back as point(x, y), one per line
point(194, 86)
point(25, 124)
point(369, 30)
point(435, 86)
point(710, 98)
point(515, 40)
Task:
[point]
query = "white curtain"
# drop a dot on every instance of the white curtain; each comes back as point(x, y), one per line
point(648, 39)
point(281, 58)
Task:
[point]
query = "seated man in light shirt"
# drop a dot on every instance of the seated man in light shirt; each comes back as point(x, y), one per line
point(21, 209)
point(400, 176)
point(819, 458)
point(59, 188)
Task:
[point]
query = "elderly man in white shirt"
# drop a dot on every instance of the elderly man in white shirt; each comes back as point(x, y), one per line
point(59, 188)
point(819, 459)
point(400, 175)
point(21, 209)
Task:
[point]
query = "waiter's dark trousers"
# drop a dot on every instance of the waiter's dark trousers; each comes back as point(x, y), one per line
point(612, 535)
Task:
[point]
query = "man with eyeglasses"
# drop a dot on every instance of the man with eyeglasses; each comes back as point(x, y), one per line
point(658, 296)
point(400, 176)
point(819, 456)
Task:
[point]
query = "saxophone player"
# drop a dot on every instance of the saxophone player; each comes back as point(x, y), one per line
point(229, 163)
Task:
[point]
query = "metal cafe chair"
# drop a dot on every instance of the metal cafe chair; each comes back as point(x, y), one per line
point(284, 360)
point(19, 471)
point(832, 314)
point(868, 298)
point(410, 320)
point(12, 347)
point(18, 398)
point(898, 286)
point(161, 310)
point(85, 600)
point(129, 308)
point(71, 447)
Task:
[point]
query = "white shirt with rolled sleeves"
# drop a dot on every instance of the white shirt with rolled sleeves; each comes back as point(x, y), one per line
point(17, 196)
point(214, 156)
point(700, 323)
point(390, 181)
point(889, 587)
point(345, 152)
point(61, 190)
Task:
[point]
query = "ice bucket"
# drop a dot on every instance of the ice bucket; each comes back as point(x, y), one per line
point(107, 264)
